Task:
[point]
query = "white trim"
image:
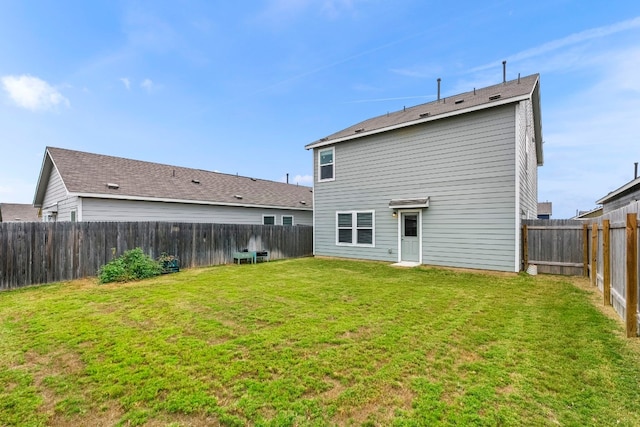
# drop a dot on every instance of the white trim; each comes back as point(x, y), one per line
point(79, 206)
point(399, 219)
point(354, 229)
point(193, 202)
point(518, 221)
point(275, 219)
point(282, 219)
point(614, 193)
point(424, 120)
point(333, 164)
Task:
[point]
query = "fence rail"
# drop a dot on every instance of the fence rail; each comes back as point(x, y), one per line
point(605, 249)
point(33, 252)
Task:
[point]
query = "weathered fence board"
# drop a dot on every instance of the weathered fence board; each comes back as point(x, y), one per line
point(555, 246)
point(32, 253)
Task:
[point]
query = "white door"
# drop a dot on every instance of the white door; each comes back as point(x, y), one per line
point(410, 237)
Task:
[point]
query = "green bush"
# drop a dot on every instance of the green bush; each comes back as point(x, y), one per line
point(132, 265)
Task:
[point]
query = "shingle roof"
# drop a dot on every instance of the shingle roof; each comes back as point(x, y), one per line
point(18, 212)
point(544, 208)
point(90, 174)
point(511, 91)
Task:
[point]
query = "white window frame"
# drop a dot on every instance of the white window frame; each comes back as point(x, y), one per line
point(354, 229)
point(333, 164)
point(273, 216)
point(286, 216)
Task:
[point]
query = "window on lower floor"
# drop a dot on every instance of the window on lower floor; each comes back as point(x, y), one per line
point(287, 220)
point(355, 228)
point(268, 220)
point(73, 216)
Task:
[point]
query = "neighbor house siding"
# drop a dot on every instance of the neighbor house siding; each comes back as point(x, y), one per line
point(621, 201)
point(94, 209)
point(465, 164)
point(56, 197)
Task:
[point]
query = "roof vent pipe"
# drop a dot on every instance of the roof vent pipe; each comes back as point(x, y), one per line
point(287, 178)
point(635, 170)
point(518, 78)
point(504, 71)
point(439, 88)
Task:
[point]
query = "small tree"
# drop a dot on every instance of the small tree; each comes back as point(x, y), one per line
point(132, 265)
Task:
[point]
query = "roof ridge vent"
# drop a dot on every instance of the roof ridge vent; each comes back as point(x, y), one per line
point(112, 186)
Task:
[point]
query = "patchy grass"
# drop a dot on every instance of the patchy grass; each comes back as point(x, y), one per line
point(315, 342)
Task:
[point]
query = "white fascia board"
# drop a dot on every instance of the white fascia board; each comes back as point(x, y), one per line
point(618, 191)
point(416, 122)
point(191, 202)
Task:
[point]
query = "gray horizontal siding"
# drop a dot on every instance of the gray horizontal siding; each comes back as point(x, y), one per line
point(56, 196)
point(466, 165)
point(133, 210)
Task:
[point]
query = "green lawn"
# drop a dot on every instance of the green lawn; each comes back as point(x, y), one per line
point(315, 342)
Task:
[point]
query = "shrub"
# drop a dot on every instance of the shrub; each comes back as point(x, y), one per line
point(132, 265)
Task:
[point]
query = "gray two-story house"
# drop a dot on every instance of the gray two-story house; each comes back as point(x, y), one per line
point(443, 183)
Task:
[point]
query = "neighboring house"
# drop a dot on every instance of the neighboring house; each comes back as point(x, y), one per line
point(593, 213)
point(630, 192)
point(18, 212)
point(79, 186)
point(544, 210)
point(443, 183)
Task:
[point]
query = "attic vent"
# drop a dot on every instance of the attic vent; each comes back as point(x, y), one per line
point(253, 179)
point(303, 202)
point(324, 139)
point(238, 196)
point(425, 114)
point(494, 97)
point(112, 186)
point(359, 130)
point(458, 101)
point(195, 181)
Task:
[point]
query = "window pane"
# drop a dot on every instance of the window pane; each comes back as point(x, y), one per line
point(365, 236)
point(411, 225)
point(365, 219)
point(287, 220)
point(344, 220)
point(326, 172)
point(326, 157)
point(344, 236)
point(269, 220)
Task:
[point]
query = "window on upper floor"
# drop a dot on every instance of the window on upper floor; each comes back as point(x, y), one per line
point(326, 164)
point(287, 219)
point(355, 228)
point(268, 220)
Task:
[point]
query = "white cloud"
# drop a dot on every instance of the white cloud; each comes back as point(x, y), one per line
point(148, 85)
point(33, 93)
point(126, 82)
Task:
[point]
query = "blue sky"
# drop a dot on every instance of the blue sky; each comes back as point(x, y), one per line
point(241, 87)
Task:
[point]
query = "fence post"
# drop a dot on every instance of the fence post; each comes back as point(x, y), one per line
point(585, 249)
point(594, 254)
point(606, 262)
point(632, 275)
point(525, 246)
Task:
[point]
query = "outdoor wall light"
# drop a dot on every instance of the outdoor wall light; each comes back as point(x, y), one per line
point(395, 213)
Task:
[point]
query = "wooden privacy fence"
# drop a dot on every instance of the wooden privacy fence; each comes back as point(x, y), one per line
point(605, 249)
point(34, 252)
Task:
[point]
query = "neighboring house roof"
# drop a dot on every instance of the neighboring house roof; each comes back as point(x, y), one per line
point(97, 175)
point(544, 208)
point(593, 213)
point(478, 99)
point(631, 186)
point(18, 212)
